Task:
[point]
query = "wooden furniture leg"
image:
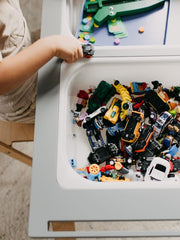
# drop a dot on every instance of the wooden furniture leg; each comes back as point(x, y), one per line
point(63, 226)
point(11, 132)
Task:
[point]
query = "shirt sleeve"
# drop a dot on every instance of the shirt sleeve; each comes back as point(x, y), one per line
point(0, 56)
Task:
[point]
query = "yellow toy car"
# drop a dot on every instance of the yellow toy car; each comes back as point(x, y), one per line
point(112, 114)
point(126, 99)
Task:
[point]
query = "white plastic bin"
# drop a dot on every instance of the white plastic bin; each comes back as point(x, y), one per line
point(125, 63)
point(72, 140)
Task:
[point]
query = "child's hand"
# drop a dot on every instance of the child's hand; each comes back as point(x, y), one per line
point(67, 48)
point(27, 62)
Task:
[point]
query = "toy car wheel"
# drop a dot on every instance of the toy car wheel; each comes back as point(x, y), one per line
point(94, 169)
point(88, 119)
point(138, 119)
point(103, 110)
point(131, 136)
point(112, 162)
point(118, 166)
point(123, 134)
point(126, 136)
point(112, 149)
point(116, 82)
point(125, 106)
point(171, 175)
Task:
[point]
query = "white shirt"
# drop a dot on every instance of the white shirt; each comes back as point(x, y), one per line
point(18, 105)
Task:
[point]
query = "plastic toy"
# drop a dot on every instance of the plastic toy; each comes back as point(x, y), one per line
point(103, 153)
point(99, 122)
point(94, 137)
point(131, 131)
point(142, 165)
point(118, 28)
point(89, 118)
point(88, 175)
point(126, 99)
point(136, 106)
point(94, 169)
point(101, 96)
point(139, 87)
point(79, 118)
point(135, 175)
point(170, 97)
point(174, 130)
point(141, 29)
point(146, 133)
point(161, 123)
point(141, 147)
point(97, 13)
point(116, 130)
point(110, 179)
point(113, 112)
point(106, 9)
point(153, 149)
point(107, 168)
point(81, 103)
point(152, 115)
point(172, 150)
point(173, 92)
point(178, 113)
point(73, 162)
point(176, 164)
point(88, 50)
point(162, 93)
point(154, 100)
point(113, 134)
point(158, 170)
point(167, 141)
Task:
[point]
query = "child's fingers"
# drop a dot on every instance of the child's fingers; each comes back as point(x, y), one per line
point(75, 55)
point(68, 60)
point(80, 52)
point(71, 59)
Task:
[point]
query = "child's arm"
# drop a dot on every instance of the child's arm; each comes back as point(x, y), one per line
point(15, 70)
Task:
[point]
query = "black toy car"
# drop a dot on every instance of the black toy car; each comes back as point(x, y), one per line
point(146, 133)
point(154, 100)
point(94, 137)
point(131, 131)
point(103, 153)
point(88, 50)
point(153, 149)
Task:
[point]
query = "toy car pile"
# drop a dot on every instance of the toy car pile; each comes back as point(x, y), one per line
point(142, 128)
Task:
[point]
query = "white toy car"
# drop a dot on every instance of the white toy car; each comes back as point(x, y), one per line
point(158, 170)
point(89, 118)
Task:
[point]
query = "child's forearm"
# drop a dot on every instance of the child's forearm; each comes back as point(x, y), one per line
point(15, 70)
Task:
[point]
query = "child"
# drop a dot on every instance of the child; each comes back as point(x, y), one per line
point(20, 61)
